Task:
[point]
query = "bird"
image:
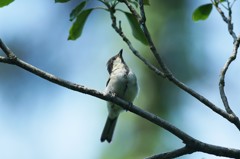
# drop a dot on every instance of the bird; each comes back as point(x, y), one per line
point(122, 82)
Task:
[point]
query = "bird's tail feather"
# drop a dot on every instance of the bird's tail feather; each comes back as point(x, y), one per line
point(108, 130)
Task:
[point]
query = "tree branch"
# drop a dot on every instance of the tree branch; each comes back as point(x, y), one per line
point(133, 11)
point(223, 73)
point(198, 147)
point(5, 60)
point(173, 154)
point(227, 20)
point(236, 40)
point(187, 139)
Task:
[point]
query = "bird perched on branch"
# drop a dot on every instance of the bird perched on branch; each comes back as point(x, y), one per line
point(122, 82)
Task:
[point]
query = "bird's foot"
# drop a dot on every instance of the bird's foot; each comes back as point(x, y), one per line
point(130, 105)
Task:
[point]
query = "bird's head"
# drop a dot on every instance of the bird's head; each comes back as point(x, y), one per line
point(116, 62)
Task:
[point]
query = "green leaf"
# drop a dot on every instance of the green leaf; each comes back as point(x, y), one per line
point(76, 11)
point(77, 27)
point(136, 30)
point(5, 2)
point(202, 12)
point(61, 1)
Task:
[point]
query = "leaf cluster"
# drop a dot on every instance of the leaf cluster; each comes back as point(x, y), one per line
point(80, 14)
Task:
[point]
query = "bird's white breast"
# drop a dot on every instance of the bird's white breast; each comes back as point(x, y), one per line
point(123, 84)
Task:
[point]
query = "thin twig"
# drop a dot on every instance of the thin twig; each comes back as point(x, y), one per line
point(223, 73)
point(173, 154)
point(227, 20)
point(232, 3)
point(230, 24)
point(132, 10)
point(6, 50)
point(142, 22)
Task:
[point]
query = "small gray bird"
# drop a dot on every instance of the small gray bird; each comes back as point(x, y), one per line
point(123, 83)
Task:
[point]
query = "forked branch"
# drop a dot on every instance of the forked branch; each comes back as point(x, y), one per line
point(236, 40)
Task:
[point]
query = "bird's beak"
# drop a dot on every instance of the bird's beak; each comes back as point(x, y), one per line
point(120, 53)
